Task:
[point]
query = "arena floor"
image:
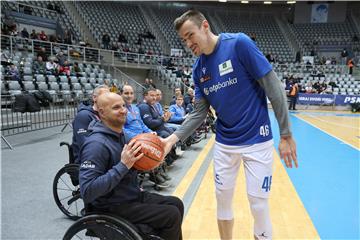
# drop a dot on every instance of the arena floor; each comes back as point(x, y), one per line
point(320, 199)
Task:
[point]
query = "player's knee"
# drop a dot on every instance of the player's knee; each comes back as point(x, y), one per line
point(258, 205)
point(224, 204)
point(178, 204)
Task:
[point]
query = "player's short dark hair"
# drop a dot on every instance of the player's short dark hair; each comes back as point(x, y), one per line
point(147, 90)
point(193, 15)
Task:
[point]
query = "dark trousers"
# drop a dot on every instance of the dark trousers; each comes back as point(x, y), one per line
point(162, 213)
point(292, 102)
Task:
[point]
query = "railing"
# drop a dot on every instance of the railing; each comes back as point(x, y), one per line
point(88, 54)
point(126, 79)
point(61, 111)
point(18, 6)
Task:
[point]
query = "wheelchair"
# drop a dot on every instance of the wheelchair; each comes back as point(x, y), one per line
point(66, 190)
point(105, 226)
point(90, 222)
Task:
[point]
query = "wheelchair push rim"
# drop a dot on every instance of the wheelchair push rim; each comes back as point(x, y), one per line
point(66, 191)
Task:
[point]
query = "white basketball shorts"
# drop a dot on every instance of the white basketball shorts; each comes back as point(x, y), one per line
point(258, 165)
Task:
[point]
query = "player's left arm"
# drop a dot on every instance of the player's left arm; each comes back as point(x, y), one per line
point(276, 94)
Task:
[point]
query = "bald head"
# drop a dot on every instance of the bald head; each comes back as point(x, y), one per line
point(112, 110)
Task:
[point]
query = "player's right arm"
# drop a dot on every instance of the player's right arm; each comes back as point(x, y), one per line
point(192, 122)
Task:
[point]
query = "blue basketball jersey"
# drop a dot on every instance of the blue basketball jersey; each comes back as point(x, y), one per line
point(227, 79)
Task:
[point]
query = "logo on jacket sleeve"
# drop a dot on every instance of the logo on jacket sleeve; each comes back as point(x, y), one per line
point(87, 164)
point(225, 68)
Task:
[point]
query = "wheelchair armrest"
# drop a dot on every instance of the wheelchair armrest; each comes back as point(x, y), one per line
point(70, 150)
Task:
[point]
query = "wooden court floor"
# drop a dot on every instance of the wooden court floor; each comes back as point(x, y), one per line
point(290, 218)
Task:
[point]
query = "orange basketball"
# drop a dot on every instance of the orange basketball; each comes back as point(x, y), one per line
point(153, 150)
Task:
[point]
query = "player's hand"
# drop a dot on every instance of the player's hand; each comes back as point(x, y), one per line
point(167, 116)
point(129, 154)
point(287, 149)
point(168, 143)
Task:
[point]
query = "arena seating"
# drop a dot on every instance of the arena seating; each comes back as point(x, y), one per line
point(268, 35)
point(330, 34)
point(61, 86)
point(104, 17)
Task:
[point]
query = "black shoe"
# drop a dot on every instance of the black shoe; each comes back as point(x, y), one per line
point(156, 179)
point(183, 147)
point(195, 140)
point(165, 175)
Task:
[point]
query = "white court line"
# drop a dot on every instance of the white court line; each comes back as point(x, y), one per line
point(341, 140)
point(338, 124)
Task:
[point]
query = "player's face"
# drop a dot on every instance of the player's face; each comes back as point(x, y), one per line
point(128, 95)
point(158, 96)
point(193, 36)
point(115, 112)
point(151, 97)
point(179, 101)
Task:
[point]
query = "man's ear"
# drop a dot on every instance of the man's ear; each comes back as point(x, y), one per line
point(205, 24)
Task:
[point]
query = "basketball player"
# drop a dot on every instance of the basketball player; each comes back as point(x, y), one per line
point(109, 183)
point(234, 77)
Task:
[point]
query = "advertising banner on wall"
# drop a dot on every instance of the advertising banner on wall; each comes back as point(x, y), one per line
point(327, 99)
point(319, 13)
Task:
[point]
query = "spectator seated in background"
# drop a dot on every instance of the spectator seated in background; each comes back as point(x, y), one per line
point(34, 35)
point(43, 36)
point(153, 120)
point(177, 111)
point(177, 92)
point(43, 54)
point(61, 58)
point(84, 116)
point(134, 124)
point(24, 33)
point(65, 69)
point(52, 67)
point(75, 70)
point(114, 88)
point(13, 73)
point(111, 185)
point(150, 115)
point(39, 66)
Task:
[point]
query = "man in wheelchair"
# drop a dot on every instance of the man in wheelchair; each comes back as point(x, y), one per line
point(109, 183)
point(82, 119)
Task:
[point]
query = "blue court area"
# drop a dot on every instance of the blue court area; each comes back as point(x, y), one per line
point(327, 180)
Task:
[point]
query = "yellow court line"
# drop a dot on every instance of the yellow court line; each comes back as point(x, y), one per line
point(290, 219)
point(190, 175)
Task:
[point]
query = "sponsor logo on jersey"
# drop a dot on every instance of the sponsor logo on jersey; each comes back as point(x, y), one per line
point(220, 85)
point(225, 68)
point(87, 164)
point(204, 79)
point(203, 70)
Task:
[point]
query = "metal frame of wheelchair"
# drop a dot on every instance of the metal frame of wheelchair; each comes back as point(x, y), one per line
point(90, 224)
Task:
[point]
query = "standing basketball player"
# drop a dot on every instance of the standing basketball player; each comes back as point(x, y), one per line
point(234, 77)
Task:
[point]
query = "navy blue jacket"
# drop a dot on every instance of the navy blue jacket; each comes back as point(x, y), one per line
point(151, 117)
point(104, 179)
point(80, 124)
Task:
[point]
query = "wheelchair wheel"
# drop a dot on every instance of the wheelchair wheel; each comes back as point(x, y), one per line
point(66, 191)
point(103, 227)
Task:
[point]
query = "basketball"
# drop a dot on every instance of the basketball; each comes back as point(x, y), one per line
point(153, 150)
